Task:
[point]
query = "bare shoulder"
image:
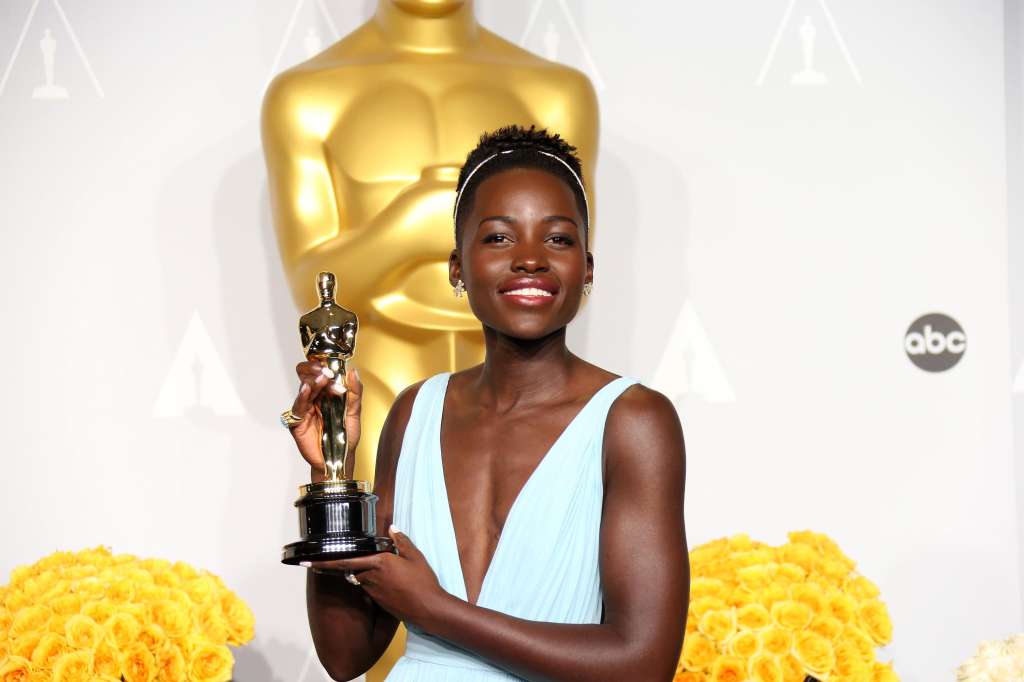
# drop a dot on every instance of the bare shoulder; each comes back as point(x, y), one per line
point(643, 429)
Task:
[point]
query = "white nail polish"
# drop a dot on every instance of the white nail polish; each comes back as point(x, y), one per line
point(327, 372)
point(305, 564)
point(304, 389)
point(339, 389)
point(394, 529)
point(355, 371)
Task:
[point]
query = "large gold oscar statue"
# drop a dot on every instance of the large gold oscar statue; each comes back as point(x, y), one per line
point(363, 146)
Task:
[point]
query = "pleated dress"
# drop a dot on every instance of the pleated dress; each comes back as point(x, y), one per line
point(545, 566)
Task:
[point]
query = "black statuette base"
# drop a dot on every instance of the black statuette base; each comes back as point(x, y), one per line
point(337, 520)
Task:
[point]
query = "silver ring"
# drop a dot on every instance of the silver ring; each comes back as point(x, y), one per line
point(351, 577)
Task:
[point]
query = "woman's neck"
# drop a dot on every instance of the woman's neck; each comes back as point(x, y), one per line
point(416, 31)
point(518, 372)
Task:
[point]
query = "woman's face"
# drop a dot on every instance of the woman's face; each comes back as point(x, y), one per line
point(522, 255)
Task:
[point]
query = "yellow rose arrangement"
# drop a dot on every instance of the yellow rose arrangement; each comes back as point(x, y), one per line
point(782, 614)
point(96, 616)
point(1000, 660)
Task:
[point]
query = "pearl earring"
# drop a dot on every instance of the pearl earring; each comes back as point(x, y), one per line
point(587, 288)
point(459, 289)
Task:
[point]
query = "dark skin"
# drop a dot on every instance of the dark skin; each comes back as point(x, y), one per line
point(524, 223)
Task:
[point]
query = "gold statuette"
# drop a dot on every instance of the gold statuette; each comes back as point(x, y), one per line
point(337, 516)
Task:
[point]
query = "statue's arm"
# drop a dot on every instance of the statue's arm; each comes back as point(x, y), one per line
point(349, 630)
point(303, 200)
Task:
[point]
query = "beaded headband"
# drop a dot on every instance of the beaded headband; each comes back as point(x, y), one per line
point(559, 159)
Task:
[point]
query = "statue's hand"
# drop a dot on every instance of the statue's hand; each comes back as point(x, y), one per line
point(307, 433)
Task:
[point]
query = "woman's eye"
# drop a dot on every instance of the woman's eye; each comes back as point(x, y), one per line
point(496, 238)
point(562, 239)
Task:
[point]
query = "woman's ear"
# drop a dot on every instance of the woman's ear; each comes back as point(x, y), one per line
point(590, 268)
point(454, 267)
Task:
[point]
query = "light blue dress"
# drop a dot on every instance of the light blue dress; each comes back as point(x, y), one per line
point(545, 567)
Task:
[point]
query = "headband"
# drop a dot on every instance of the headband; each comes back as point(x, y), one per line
point(559, 159)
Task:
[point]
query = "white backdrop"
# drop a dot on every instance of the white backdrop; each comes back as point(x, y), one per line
point(766, 244)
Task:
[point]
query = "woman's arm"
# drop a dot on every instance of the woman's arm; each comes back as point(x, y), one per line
point(645, 571)
point(350, 631)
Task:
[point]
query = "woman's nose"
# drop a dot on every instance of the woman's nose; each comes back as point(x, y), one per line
point(529, 259)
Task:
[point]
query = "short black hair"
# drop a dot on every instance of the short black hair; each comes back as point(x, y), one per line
point(522, 145)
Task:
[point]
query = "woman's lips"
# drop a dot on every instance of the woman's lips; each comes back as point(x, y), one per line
point(528, 296)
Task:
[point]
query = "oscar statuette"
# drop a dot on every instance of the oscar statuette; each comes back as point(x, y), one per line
point(337, 516)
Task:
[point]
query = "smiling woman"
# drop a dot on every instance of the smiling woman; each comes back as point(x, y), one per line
point(541, 497)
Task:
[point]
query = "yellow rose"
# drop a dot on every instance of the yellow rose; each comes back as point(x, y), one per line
point(181, 598)
point(75, 666)
point(701, 605)
point(24, 646)
point(167, 578)
point(241, 622)
point(739, 542)
point(91, 589)
point(849, 664)
point(15, 669)
point(29, 619)
point(202, 589)
point(810, 594)
point(121, 591)
point(51, 647)
point(826, 626)
point(184, 571)
point(815, 653)
point(792, 670)
point(689, 676)
point(6, 619)
point(138, 664)
point(703, 586)
point(790, 573)
point(842, 607)
point(834, 571)
point(213, 624)
point(764, 668)
point(744, 644)
point(862, 588)
point(792, 614)
point(174, 620)
point(122, 628)
point(210, 663)
point(106, 660)
point(698, 651)
point(883, 672)
point(66, 604)
point(874, 619)
point(776, 640)
point(729, 669)
point(121, 559)
point(718, 625)
point(152, 636)
point(170, 663)
point(753, 616)
point(82, 632)
point(15, 601)
point(20, 574)
point(100, 610)
point(864, 645)
point(772, 594)
point(756, 577)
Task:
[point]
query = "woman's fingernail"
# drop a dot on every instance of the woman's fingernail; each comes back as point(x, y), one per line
point(394, 529)
point(305, 564)
point(304, 389)
point(327, 372)
point(339, 389)
point(356, 372)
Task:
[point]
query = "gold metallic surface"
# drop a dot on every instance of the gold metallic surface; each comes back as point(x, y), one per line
point(328, 334)
point(347, 487)
point(363, 146)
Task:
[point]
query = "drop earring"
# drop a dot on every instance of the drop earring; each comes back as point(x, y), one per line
point(587, 288)
point(459, 289)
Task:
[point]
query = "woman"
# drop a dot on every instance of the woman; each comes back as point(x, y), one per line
point(539, 497)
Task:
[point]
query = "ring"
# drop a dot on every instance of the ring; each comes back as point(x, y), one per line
point(289, 419)
point(351, 577)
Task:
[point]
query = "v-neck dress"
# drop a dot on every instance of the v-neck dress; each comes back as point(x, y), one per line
point(545, 566)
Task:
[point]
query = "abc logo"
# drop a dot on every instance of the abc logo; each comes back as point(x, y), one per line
point(935, 342)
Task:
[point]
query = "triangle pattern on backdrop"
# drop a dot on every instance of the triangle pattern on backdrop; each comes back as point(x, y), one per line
point(49, 46)
point(809, 33)
point(690, 365)
point(542, 35)
point(197, 378)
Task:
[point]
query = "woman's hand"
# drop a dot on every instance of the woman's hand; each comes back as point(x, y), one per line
point(403, 584)
point(317, 378)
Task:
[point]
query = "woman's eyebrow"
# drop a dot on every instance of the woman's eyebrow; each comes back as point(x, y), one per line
point(508, 220)
point(560, 218)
